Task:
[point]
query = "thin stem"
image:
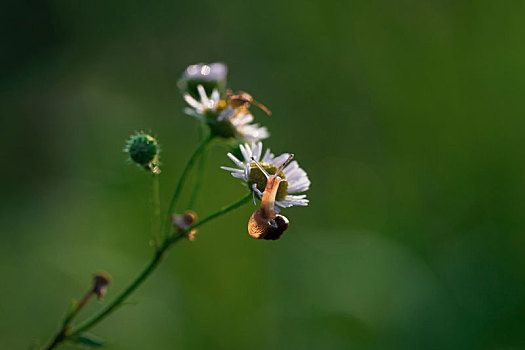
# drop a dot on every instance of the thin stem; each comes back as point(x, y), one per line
point(168, 242)
point(182, 179)
point(222, 211)
point(156, 223)
point(118, 301)
point(66, 324)
point(79, 306)
point(200, 179)
point(203, 132)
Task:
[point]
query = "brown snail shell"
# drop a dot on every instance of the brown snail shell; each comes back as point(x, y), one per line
point(261, 227)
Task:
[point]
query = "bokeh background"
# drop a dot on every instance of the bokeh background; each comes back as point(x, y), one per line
point(407, 115)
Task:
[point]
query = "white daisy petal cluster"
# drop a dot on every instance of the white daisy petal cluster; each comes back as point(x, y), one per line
point(241, 119)
point(228, 117)
point(224, 120)
point(205, 105)
point(296, 178)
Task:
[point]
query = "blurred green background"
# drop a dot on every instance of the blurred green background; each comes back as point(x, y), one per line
point(407, 115)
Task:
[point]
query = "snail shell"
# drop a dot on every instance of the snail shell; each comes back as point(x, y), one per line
point(261, 227)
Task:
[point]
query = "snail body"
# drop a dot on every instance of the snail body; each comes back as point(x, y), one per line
point(265, 223)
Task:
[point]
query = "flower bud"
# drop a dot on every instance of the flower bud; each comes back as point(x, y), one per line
point(101, 281)
point(210, 76)
point(184, 222)
point(144, 150)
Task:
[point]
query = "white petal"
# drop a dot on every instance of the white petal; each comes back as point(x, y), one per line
point(253, 132)
point(290, 201)
point(193, 113)
point(247, 169)
point(192, 102)
point(290, 167)
point(278, 161)
point(300, 196)
point(257, 150)
point(263, 133)
point(232, 169)
point(246, 152)
point(298, 182)
point(202, 94)
point(299, 188)
point(256, 191)
point(215, 96)
point(235, 160)
point(223, 115)
point(267, 156)
point(244, 118)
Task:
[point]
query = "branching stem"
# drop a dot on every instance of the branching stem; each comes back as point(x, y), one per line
point(64, 334)
point(182, 179)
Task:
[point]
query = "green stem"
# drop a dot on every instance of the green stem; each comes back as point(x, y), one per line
point(222, 211)
point(66, 324)
point(168, 242)
point(182, 179)
point(200, 179)
point(156, 223)
point(118, 301)
point(203, 132)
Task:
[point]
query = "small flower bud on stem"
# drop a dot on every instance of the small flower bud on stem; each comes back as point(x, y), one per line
point(101, 281)
point(144, 150)
point(99, 286)
point(184, 222)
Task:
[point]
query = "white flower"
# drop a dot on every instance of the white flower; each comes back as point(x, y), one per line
point(223, 119)
point(296, 178)
point(205, 105)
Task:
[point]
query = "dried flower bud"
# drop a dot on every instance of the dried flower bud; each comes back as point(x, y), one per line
point(210, 76)
point(144, 150)
point(183, 222)
point(101, 281)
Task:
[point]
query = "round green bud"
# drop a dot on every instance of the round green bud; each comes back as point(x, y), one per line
point(257, 177)
point(144, 150)
point(210, 76)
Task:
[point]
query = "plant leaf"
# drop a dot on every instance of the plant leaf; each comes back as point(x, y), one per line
point(88, 341)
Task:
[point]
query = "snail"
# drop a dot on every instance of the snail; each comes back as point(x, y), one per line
point(265, 223)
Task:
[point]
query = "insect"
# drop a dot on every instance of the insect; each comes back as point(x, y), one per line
point(244, 99)
point(265, 223)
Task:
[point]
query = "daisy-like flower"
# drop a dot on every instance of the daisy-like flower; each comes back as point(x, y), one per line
point(206, 106)
point(210, 76)
point(296, 179)
point(223, 119)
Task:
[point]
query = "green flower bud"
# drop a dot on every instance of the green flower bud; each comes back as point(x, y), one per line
point(144, 150)
point(210, 76)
